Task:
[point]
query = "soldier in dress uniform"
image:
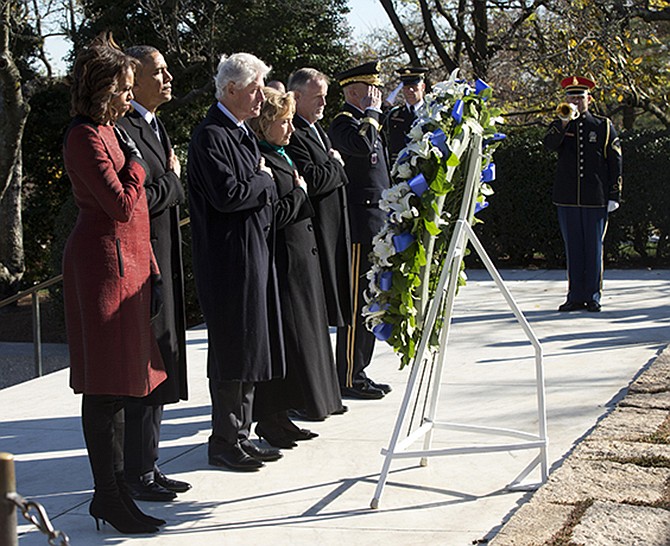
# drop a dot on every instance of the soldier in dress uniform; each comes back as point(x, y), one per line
point(586, 189)
point(400, 118)
point(355, 133)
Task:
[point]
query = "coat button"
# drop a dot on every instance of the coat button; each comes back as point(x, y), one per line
point(314, 251)
point(310, 227)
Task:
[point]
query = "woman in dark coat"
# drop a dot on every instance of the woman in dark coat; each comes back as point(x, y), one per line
point(311, 383)
point(107, 267)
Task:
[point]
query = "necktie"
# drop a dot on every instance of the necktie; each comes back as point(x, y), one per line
point(318, 136)
point(154, 126)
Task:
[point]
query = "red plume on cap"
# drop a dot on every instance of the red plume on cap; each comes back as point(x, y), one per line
point(577, 83)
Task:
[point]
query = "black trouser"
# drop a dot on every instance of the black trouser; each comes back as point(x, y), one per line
point(143, 426)
point(355, 343)
point(232, 403)
point(102, 419)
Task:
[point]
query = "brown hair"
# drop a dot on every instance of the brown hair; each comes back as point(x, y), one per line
point(95, 79)
point(277, 105)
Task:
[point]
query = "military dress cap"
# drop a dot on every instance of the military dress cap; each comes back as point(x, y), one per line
point(411, 74)
point(365, 73)
point(577, 85)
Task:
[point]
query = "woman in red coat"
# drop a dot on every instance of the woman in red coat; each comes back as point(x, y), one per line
point(107, 267)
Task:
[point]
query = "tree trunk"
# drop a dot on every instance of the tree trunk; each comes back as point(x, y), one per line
point(12, 263)
point(13, 115)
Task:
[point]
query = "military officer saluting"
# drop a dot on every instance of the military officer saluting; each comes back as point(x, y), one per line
point(355, 134)
point(400, 118)
point(586, 188)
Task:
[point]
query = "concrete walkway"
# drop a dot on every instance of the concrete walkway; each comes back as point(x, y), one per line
point(320, 491)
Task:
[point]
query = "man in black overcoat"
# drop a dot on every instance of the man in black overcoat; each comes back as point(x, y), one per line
point(586, 189)
point(355, 133)
point(231, 197)
point(399, 119)
point(164, 195)
point(322, 168)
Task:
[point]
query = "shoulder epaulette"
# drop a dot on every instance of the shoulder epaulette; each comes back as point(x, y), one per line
point(344, 113)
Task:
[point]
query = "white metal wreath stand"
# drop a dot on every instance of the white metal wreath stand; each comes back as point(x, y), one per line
point(398, 449)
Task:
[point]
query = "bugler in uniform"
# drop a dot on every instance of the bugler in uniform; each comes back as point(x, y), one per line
point(587, 187)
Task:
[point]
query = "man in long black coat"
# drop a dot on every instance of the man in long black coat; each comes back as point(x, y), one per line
point(323, 169)
point(355, 133)
point(231, 196)
point(164, 195)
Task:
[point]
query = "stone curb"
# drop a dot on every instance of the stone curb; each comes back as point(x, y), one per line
point(613, 489)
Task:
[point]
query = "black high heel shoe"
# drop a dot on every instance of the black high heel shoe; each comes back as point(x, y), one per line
point(276, 437)
point(292, 430)
point(128, 501)
point(302, 434)
point(113, 511)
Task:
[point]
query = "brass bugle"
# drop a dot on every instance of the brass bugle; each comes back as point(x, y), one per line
point(567, 111)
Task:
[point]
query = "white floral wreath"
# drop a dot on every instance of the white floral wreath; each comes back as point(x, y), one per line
point(429, 179)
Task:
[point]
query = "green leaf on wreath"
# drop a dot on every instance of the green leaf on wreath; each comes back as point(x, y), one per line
point(431, 227)
point(420, 258)
point(453, 161)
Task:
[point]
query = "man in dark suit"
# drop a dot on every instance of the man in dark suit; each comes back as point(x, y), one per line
point(400, 118)
point(232, 196)
point(322, 168)
point(355, 133)
point(164, 195)
point(586, 189)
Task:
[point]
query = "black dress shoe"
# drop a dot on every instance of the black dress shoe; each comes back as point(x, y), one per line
point(303, 434)
point(363, 391)
point(267, 454)
point(274, 436)
point(571, 306)
point(234, 458)
point(342, 410)
point(147, 489)
point(593, 307)
point(381, 386)
point(170, 484)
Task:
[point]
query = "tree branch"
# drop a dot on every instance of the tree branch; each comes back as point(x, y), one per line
point(407, 43)
point(449, 63)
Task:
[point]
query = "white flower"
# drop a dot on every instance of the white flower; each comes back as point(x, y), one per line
point(402, 170)
point(416, 132)
point(393, 194)
point(382, 246)
point(402, 209)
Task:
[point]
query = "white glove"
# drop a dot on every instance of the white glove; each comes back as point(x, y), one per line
point(612, 206)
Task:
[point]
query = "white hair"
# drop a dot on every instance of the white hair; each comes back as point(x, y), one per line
point(240, 69)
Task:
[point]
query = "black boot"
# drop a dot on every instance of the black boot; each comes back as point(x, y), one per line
point(126, 498)
point(98, 415)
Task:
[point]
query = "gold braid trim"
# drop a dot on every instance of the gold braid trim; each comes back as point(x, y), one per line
point(372, 121)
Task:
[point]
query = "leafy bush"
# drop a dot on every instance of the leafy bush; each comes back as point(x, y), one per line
point(520, 228)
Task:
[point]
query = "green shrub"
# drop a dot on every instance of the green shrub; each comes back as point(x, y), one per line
point(520, 228)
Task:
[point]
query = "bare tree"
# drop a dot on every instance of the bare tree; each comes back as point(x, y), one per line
point(24, 27)
point(13, 114)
